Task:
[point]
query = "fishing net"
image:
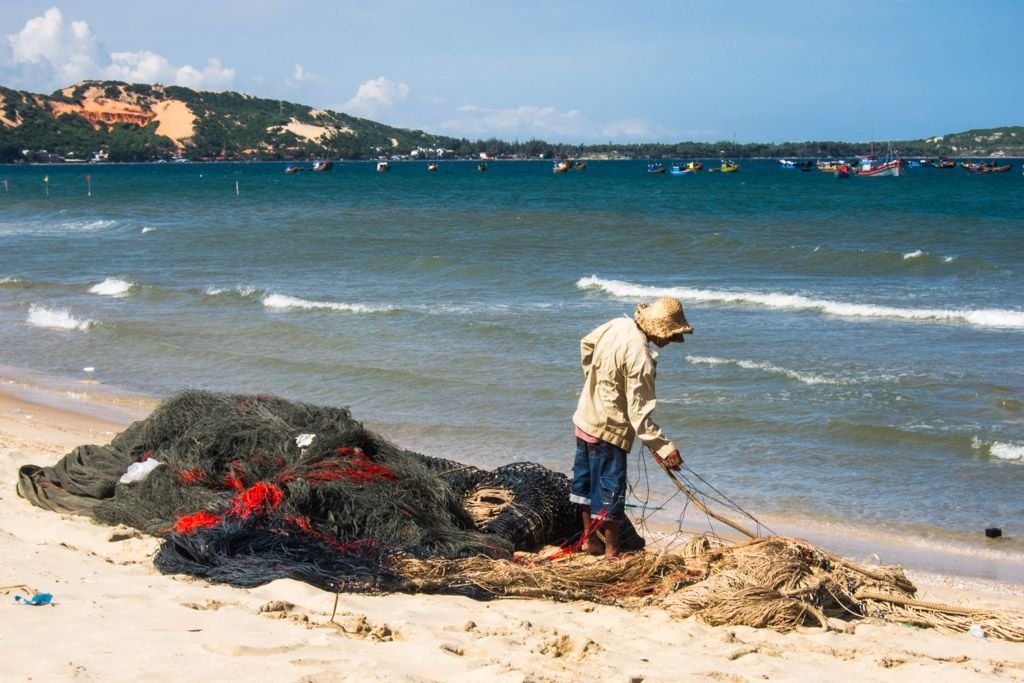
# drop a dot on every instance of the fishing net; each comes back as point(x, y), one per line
point(253, 488)
point(248, 489)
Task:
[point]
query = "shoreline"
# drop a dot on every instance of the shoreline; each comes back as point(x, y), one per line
point(977, 561)
point(105, 410)
point(104, 584)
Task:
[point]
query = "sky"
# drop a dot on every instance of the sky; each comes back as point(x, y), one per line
point(568, 71)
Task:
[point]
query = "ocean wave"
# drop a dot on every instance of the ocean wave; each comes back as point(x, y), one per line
point(112, 286)
point(147, 229)
point(86, 225)
point(874, 262)
point(47, 227)
point(56, 319)
point(1011, 452)
point(993, 317)
point(283, 301)
point(802, 377)
point(244, 291)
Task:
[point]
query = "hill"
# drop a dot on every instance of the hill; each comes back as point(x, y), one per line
point(138, 122)
point(115, 121)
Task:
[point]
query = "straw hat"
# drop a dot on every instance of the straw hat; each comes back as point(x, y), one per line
point(662, 319)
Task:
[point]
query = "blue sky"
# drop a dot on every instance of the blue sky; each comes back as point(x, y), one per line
point(563, 71)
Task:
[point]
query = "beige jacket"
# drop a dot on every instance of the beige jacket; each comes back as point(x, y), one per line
point(618, 390)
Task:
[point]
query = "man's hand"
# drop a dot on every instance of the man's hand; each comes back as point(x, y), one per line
point(673, 460)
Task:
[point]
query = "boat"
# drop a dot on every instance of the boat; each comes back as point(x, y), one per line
point(679, 168)
point(481, 167)
point(842, 171)
point(581, 165)
point(727, 167)
point(943, 162)
point(323, 165)
point(291, 169)
point(383, 166)
point(431, 167)
point(991, 167)
point(561, 166)
point(830, 165)
point(871, 166)
point(655, 168)
point(802, 165)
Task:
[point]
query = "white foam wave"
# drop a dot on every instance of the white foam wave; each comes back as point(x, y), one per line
point(241, 290)
point(803, 377)
point(1013, 452)
point(1007, 451)
point(56, 319)
point(913, 254)
point(88, 226)
point(994, 317)
point(283, 301)
point(148, 229)
point(112, 287)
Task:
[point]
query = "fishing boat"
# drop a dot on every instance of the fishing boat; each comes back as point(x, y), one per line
point(383, 166)
point(727, 167)
point(873, 166)
point(991, 167)
point(291, 169)
point(323, 165)
point(581, 165)
point(655, 168)
point(561, 166)
point(830, 165)
point(794, 165)
point(482, 166)
point(679, 168)
point(943, 162)
point(431, 167)
point(842, 171)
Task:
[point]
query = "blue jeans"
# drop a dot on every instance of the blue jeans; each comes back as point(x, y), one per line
point(599, 479)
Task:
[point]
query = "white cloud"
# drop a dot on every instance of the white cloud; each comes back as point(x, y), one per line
point(139, 67)
point(544, 123)
point(70, 50)
point(374, 97)
point(629, 129)
point(213, 76)
point(300, 77)
point(50, 53)
point(520, 122)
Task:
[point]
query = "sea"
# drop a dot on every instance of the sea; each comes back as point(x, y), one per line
point(856, 375)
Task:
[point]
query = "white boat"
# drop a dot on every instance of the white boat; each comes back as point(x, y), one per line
point(383, 166)
point(871, 165)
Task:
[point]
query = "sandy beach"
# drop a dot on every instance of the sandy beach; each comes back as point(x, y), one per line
point(114, 617)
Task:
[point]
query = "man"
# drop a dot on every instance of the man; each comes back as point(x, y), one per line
point(615, 407)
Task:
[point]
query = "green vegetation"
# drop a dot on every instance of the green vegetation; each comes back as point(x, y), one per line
point(230, 125)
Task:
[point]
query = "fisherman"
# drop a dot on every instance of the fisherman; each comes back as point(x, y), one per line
point(615, 407)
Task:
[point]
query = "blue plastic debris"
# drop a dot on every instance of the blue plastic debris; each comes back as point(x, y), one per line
point(37, 599)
